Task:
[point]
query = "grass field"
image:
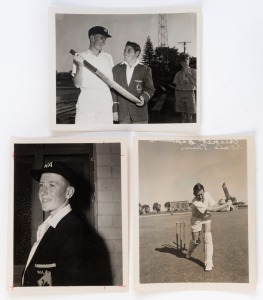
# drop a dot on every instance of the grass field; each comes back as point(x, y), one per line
point(162, 262)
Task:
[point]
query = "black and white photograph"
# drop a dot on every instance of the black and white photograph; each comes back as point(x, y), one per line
point(125, 70)
point(195, 213)
point(69, 215)
point(131, 149)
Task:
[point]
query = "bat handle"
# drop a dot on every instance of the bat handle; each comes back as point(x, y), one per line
point(73, 52)
point(88, 65)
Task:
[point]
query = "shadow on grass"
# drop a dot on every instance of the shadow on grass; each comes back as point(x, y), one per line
point(178, 252)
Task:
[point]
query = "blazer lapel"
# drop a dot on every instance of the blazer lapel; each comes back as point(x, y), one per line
point(123, 76)
point(135, 75)
point(42, 242)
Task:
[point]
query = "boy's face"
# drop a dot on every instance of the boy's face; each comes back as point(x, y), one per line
point(98, 41)
point(130, 55)
point(185, 63)
point(200, 195)
point(52, 192)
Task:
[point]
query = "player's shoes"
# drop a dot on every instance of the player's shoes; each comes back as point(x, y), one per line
point(209, 267)
point(188, 254)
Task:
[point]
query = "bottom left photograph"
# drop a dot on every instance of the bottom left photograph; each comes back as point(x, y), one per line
point(68, 214)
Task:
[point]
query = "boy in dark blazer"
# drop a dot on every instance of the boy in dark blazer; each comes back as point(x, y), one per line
point(67, 252)
point(137, 79)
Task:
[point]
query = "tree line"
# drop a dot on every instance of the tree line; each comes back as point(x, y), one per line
point(164, 62)
point(145, 208)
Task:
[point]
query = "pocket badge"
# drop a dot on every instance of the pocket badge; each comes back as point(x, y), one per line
point(44, 274)
point(139, 86)
point(45, 280)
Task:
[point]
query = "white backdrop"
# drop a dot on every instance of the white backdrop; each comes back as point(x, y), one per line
point(232, 103)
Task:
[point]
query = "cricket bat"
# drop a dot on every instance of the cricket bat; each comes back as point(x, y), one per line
point(113, 84)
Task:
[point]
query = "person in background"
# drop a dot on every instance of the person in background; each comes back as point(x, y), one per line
point(185, 86)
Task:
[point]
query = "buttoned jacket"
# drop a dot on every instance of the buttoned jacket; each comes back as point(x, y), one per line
point(141, 84)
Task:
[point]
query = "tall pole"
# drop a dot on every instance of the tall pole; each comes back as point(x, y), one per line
point(162, 31)
point(163, 38)
point(184, 44)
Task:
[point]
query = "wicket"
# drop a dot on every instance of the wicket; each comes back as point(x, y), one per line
point(180, 235)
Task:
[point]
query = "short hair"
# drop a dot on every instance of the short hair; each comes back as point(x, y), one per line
point(183, 57)
point(197, 188)
point(135, 46)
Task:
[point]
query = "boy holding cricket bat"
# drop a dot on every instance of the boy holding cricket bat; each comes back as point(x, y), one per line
point(201, 220)
point(94, 104)
point(136, 78)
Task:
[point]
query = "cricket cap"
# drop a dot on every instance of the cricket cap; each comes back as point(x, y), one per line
point(57, 168)
point(99, 30)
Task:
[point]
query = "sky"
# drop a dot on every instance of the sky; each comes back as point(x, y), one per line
point(72, 33)
point(168, 171)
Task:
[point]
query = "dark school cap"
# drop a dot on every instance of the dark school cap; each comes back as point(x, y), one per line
point(57, 168)
point(99, 30)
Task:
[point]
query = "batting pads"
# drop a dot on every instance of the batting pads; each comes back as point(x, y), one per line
point(191, 248)
point(208, 248)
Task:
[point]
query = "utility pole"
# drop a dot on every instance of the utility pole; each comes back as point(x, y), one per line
point(184, 43)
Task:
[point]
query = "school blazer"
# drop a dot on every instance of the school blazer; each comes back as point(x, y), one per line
point(141, 85)
point(71, 254)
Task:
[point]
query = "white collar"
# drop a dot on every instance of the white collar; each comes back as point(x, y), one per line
point(53, 221)
point(90, 52)
point(137, 62)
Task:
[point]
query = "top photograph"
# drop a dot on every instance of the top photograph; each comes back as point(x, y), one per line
point(128, 70)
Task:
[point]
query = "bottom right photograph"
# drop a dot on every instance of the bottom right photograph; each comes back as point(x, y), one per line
point(195, 215)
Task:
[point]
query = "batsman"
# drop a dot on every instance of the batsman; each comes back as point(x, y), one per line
point(202, 204)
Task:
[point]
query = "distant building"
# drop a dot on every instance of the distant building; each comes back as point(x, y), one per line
point(179, 205)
